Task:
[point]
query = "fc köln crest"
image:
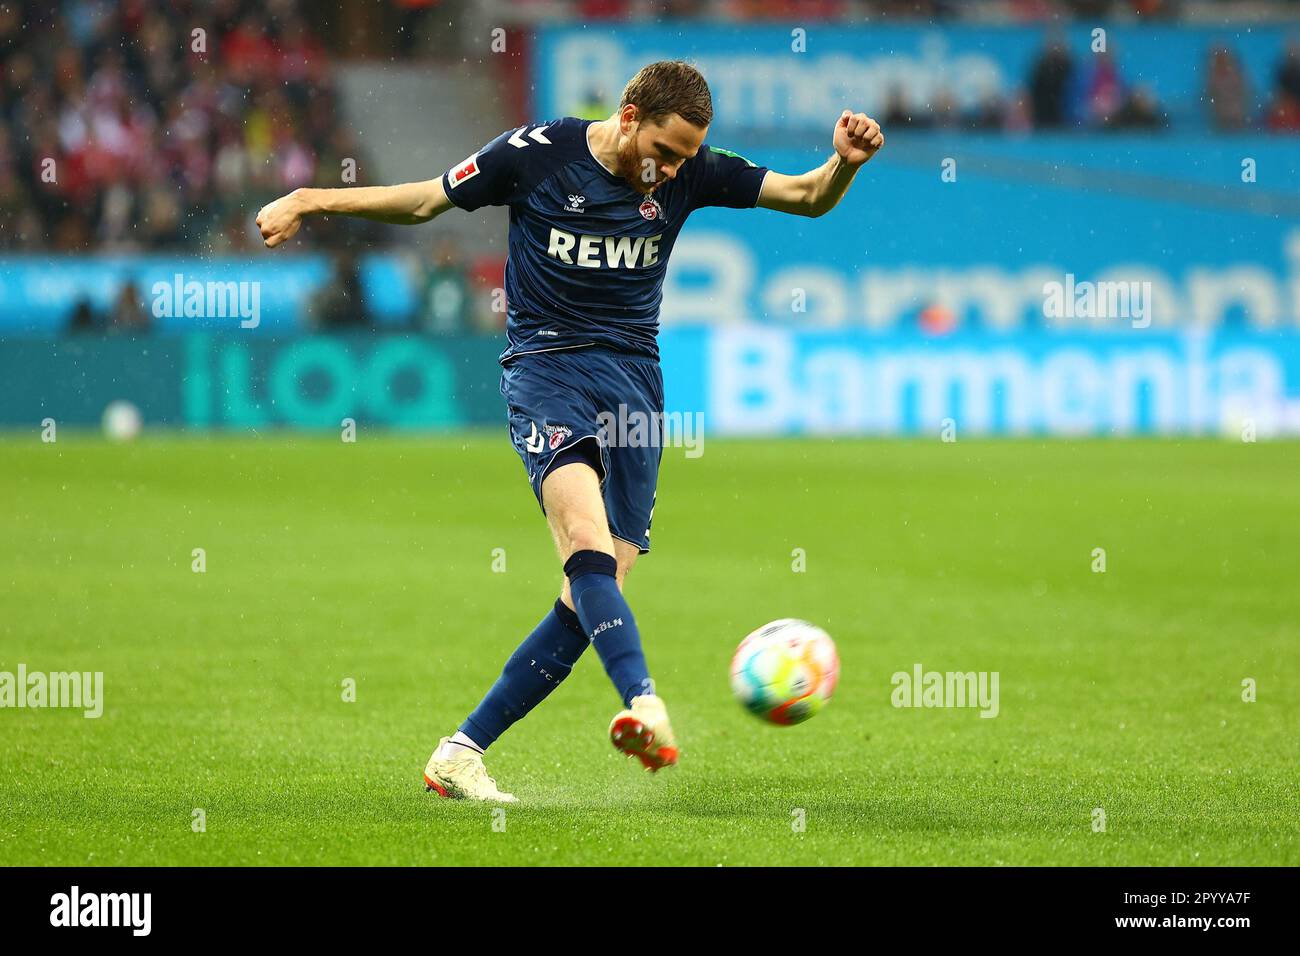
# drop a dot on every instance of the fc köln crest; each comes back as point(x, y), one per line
point(650, 209)
point(556, 435)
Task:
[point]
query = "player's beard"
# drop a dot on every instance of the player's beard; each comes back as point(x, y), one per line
point(629, 167)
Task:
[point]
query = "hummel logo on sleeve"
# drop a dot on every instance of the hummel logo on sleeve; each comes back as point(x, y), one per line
point(535, 135)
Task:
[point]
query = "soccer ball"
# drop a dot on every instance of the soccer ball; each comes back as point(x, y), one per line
point(122, 421)
point(785, 671)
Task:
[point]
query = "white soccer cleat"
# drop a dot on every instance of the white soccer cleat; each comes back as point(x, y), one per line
point(462, 777)
point(643, 731)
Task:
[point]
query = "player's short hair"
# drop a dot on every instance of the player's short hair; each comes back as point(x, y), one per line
point(669, 86)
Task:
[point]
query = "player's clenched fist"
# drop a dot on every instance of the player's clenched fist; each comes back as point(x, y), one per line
point(279, 220)
point(857, 137)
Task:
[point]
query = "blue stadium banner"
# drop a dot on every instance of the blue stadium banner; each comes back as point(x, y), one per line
point(180, 293)
point(762, 381)
point(791, 78)
point(906, 247)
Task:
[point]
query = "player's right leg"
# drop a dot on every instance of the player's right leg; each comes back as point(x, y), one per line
point(593, 559)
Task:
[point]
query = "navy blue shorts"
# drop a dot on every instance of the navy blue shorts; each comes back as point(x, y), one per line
point(568, 403)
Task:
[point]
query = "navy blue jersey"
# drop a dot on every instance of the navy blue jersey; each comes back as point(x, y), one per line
point(587, 252)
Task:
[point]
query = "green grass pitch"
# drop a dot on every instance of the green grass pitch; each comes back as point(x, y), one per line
point(374, 561)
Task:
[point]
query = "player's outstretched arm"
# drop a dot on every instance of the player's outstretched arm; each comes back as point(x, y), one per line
point(857, 138)
point(404, 205)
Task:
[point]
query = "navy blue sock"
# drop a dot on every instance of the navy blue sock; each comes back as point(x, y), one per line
point(534, 670)
point(608, 621)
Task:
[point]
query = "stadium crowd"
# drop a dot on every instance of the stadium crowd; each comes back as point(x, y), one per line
point(122, 128)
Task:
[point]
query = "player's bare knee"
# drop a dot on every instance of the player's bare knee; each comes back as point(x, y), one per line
point(586, 534)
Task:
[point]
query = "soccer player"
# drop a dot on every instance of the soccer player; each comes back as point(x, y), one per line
point(595, 207)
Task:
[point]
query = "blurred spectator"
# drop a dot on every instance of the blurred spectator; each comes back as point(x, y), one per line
point(946, 114)
point(899, 113)
point(1087, 9)
point(412, 18)
point(603, 9)
point(1049, 84)
point(1140, 111)
point(1283, 114)
point(1154, 9)
point(445, 304)
point(1102, 92)
point(1288, 70)
point(918, 9)
point(1284, 110)
point(339, 304)
point(83, 318)
point(1017, 117)
point(128, 315)
point(809, 10)
point(1227, 91)
point(989, 114)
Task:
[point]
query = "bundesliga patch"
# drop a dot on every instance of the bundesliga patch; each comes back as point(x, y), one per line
point(466, 170)
point(556, 435)
point(651, 210)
